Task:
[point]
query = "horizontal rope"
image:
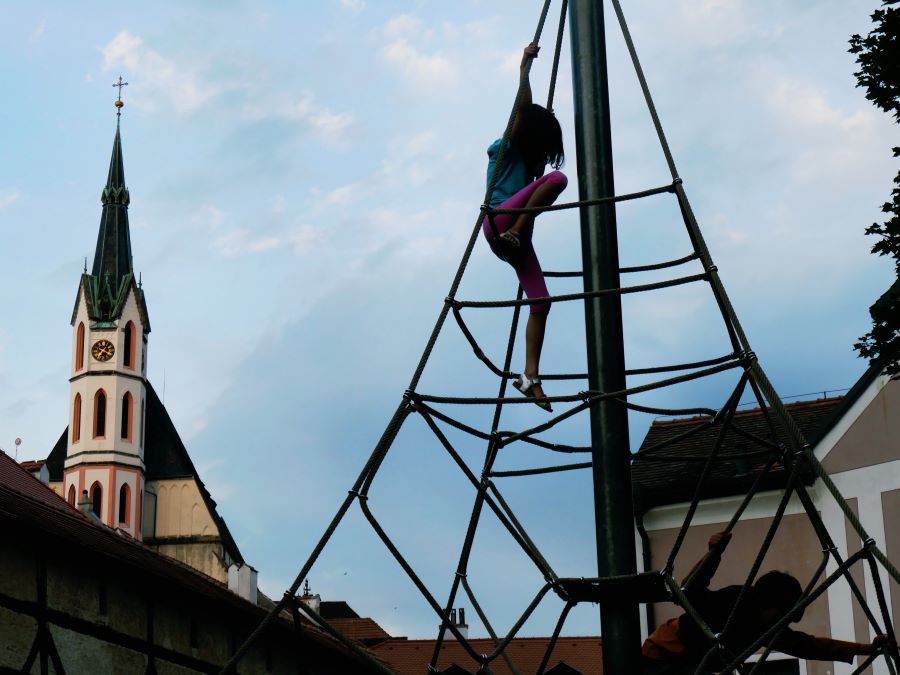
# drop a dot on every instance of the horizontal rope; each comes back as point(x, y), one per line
point(624, 290)
point(659, 266)
point(587, 202)
point(544, 469)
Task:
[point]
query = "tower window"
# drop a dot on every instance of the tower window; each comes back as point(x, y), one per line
point(96, 499)
point(129, 345)
point(71, 498)
point(100, 414)
point(127, 415)
point(124, 504)
point(79, 347)
point(76, 419)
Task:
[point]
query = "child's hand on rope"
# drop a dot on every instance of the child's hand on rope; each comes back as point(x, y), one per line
point(880, 643)
point(531, 52)
point(719, 541)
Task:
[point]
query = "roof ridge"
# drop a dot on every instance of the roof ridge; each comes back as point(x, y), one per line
point(750, 411)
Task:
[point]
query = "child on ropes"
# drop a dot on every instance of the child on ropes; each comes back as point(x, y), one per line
point(678, 646)
point(534, 142)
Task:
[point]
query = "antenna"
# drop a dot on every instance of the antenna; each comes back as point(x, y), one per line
point(18, 443)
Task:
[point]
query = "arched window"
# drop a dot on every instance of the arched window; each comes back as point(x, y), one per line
point(100, 414)
point(96, 499)
point(76, 419)
point(79, 347)
point(127, 415)
point(128, 357)
point(124, 504)
point(71, 498)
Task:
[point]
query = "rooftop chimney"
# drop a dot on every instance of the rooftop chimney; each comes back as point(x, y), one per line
point(458, 619)
point(242, 581)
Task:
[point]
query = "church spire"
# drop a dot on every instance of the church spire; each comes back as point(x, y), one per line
point(112, 259)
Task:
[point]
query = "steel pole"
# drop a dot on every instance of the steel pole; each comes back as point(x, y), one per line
point(619, 621)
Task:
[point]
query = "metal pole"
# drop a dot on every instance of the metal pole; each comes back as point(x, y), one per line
point(619, 621)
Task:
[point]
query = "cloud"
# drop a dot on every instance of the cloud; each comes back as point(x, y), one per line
point(431, 72)
point(38, 32)
point(354, 6)
point(242, 241)
point(8, 197)
point(165, 83)
point(331, 127)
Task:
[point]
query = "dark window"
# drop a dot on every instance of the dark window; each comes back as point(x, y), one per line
point(71, 499)
point(124, 504)
point(76, 419)
point(129, 345)
point(126, 415)
point(96, 499)
point(100, 414)
point(79, 348)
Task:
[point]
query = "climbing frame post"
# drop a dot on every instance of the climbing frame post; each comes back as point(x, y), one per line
point(620, 623)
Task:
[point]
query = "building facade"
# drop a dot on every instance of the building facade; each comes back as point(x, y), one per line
point(857, 439)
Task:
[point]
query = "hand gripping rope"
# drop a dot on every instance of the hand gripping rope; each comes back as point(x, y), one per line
point(782, 447)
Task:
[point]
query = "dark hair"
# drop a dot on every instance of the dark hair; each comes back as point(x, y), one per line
point(539, 136)
point(779, 590)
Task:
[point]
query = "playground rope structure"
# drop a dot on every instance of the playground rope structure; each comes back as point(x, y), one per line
point(784, 448)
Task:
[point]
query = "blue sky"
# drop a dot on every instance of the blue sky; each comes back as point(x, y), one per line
point(304, 177)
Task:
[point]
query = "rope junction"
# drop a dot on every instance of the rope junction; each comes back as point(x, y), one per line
point(785, 447)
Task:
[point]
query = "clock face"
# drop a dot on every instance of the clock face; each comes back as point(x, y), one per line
point(103, 350)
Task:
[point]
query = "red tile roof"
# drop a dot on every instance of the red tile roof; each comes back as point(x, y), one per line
point(656, 483)
point(363, 630)
point(411, 657)
point(32, 464)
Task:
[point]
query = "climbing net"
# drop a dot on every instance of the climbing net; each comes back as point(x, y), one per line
point(783, 448)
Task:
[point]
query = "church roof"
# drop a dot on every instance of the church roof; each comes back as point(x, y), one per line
point(165, 457)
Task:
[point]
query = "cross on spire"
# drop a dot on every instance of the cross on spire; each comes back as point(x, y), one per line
point(119, 102)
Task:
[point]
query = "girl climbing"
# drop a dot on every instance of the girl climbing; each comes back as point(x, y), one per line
point(534, 142)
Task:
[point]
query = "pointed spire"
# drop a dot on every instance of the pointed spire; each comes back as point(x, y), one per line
point(112, 259)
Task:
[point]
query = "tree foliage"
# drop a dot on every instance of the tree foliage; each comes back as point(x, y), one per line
point(878, 58)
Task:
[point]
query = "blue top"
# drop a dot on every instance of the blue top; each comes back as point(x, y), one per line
point(512, 176)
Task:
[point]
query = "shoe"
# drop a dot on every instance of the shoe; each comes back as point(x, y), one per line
point(526, 385)
point(510, 245)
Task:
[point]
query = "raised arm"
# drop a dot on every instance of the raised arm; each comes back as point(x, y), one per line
point(702, 573)
point(530, 52)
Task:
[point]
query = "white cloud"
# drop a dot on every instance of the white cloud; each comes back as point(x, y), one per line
point(427, 71)
point(402, 25)
point(355, 6)
point(39, 30)
point(8, 197)
point(242, 241)
point(304, 239)
point(165, 83)
point(330, 126)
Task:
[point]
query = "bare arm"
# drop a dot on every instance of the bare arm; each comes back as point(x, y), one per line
point(702, 573)
point(530, 52)
point(801, 645)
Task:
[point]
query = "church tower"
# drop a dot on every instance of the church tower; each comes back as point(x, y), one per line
point(108, 387)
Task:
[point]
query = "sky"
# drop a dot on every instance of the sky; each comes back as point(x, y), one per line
point(304, 178)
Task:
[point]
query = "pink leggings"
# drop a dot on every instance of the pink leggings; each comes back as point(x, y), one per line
point(527, 267)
